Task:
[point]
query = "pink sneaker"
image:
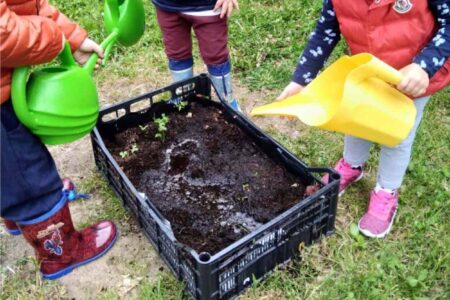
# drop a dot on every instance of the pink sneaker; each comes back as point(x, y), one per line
point(348, 175)
point(378, 219)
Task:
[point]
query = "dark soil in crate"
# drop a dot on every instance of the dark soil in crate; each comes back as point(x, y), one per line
point(207, 177)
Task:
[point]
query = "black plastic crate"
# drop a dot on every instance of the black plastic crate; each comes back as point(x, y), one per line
point(227, 273)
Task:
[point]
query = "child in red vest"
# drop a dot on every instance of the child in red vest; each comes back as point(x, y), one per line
point(34, 199)
point(412, 36)
point(208, 19)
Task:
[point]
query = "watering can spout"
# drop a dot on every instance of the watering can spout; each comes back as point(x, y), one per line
point(279, 108)
point(302, 106)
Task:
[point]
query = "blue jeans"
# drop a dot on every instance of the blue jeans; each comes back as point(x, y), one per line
point(30, 184)
point(393, 160)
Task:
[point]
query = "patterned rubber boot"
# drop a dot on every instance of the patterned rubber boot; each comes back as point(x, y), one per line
point(11, 227)
point(59, 247)
point(68, 188)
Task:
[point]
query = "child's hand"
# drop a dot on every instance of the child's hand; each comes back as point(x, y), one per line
point(85, 50)
point(290, 90)
point(415, 80)
point(227, 7)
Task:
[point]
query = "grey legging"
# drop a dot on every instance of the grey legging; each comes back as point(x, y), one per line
point(393, 160)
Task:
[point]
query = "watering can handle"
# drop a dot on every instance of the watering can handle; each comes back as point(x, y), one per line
point(389, 74)
point(374, 68)
point(379, 69)
point(19, 96)
point(106, 45)
point(66, 56)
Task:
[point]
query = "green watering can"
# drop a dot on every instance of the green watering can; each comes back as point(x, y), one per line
point(59, 104)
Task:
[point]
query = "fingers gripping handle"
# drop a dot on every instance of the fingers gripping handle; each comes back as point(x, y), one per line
point(106, 45)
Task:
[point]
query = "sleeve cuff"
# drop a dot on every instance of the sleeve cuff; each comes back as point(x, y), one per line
point(297, 78)
point(77, 38)
point(425, 65)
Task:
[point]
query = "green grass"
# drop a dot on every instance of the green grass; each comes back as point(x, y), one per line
point(413, 262)
point(166, 287)
point(114, 209)
point(23, 281)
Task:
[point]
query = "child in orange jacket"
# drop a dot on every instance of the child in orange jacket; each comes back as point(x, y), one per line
point(34, 199)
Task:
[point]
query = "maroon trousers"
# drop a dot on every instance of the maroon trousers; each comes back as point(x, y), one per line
point(211, 33)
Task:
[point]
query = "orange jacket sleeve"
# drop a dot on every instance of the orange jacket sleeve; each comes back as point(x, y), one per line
point(73, 33)
point(27, 40)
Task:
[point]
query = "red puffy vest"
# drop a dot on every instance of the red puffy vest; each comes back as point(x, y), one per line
point(393, 30)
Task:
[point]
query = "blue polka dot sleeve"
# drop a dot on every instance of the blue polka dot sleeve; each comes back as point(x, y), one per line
point(320, 45)
point(436, 53)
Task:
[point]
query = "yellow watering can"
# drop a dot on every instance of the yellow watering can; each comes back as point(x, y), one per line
point(354, 96)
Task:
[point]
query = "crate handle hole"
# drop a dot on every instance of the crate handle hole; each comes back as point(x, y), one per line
point(164, 96)
point(140, 106)
point(114, 115)
point(204, 257)
point(335, 176)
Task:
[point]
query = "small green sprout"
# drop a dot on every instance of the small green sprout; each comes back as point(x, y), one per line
point(143, 128)
point(180, 105)
point(134, 148)
point(243, 199)
point(161, 127)
point(123, 154)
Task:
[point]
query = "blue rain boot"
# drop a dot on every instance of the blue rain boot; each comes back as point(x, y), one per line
point(225, 90)
point(179, 75)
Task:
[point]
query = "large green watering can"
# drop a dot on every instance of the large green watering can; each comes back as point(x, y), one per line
point(59, 104)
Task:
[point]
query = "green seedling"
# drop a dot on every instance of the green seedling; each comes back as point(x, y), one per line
point(181, 105)
point(134, 148)
point(143, 128)
point(243, 199)
point(161, 127)
point(123, 154)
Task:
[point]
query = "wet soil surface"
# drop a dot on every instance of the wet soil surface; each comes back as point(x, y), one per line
point(206, 177)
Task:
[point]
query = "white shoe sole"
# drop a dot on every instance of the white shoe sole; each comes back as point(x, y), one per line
point(356, 180)
point(380, 235)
